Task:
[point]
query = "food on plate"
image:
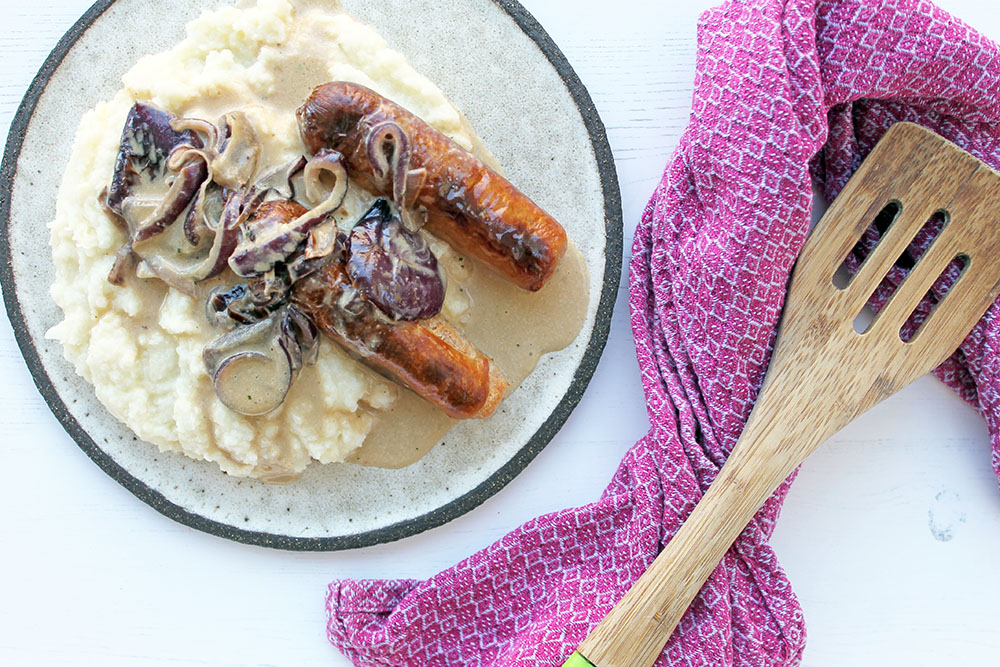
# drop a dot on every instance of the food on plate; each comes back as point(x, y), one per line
point(465, 202)
point(427, 354)
point(241, 296)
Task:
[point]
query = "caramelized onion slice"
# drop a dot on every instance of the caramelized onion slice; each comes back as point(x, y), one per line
point(331, 162)
point(185, 187)
point(205, 213)
point(238, 207)
point(231, 151)
point(183, 271)
point(243, 303)
point(228, 305)
point(278, 182)
point(388, 150)
point(278, 233)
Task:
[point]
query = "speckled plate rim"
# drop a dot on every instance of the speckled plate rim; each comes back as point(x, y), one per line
point(450, 510)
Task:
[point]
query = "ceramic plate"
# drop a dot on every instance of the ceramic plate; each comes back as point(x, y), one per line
point(518, 91)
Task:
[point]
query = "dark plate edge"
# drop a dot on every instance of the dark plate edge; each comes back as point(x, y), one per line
point(432, 519)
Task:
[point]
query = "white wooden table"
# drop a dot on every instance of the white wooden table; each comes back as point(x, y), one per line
point(889, 536)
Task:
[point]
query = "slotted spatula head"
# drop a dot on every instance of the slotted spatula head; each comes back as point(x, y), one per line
point(917, 175)
point(823, 372)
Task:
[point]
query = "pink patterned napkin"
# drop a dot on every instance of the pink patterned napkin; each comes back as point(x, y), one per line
point(782, 89)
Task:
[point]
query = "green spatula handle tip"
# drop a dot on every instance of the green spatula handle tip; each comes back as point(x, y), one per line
point(577, 660)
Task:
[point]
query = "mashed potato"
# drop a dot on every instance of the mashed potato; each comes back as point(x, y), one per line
point(141, 344)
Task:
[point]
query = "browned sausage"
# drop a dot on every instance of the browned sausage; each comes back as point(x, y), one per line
point(429, 356)
point(468, 204)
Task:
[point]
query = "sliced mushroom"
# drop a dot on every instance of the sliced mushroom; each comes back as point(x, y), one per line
point(227, 307)
point(253, 366)
point(322, 240)
point(253, 383)
point(239, 152)
point(250, 369)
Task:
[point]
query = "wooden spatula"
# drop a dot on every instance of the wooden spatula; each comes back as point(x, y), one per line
point(823, 372)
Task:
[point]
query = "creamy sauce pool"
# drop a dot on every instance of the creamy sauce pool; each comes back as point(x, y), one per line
point(513, 326)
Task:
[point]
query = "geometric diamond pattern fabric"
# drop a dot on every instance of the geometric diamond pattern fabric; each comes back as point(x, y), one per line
point(785, 92)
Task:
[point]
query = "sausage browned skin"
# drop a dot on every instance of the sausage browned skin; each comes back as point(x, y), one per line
point(429, 356)
point(468, 204)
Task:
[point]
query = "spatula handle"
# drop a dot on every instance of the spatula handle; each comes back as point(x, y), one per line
point(634, 633)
